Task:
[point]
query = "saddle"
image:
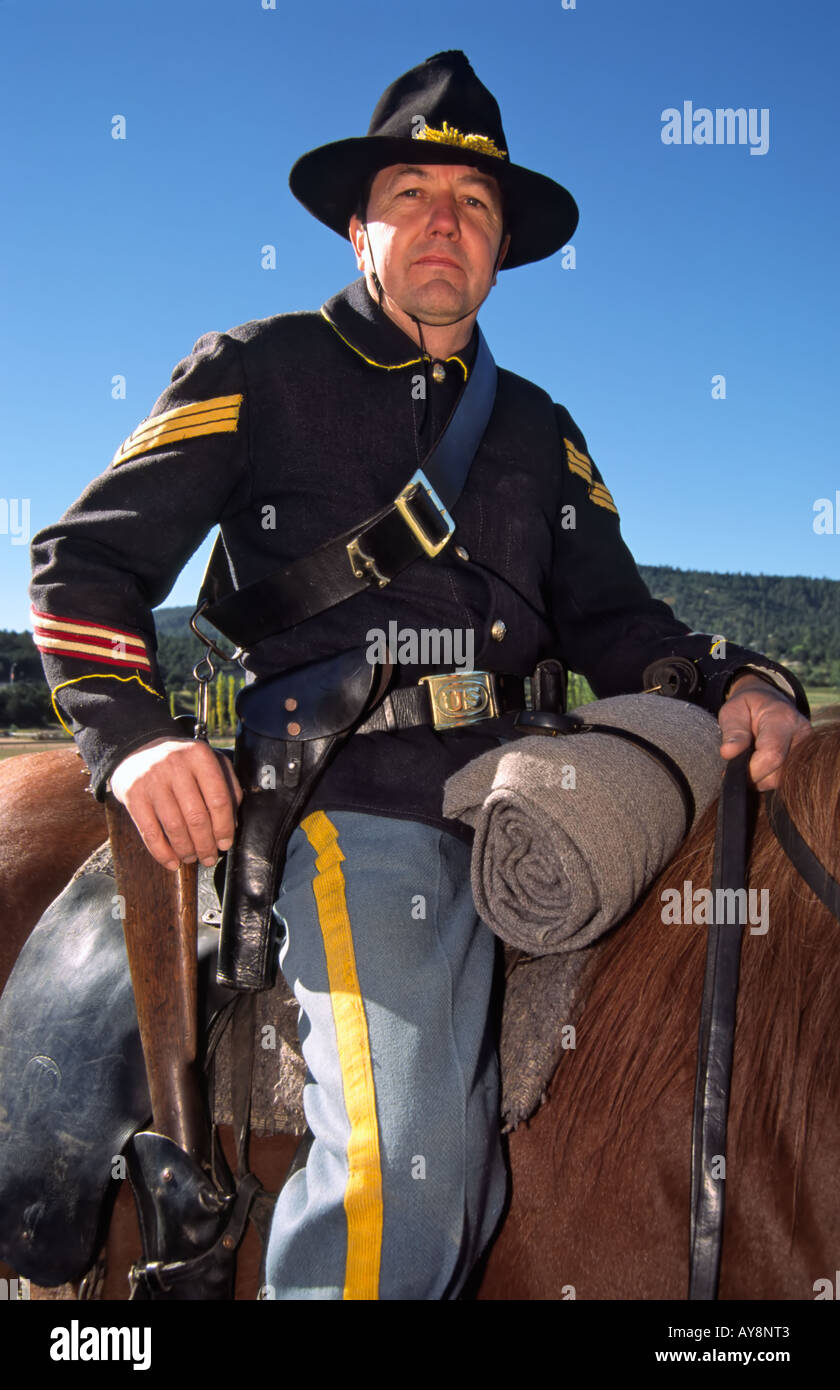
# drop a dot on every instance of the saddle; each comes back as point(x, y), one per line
point(73, 1086)
point(72, 1078)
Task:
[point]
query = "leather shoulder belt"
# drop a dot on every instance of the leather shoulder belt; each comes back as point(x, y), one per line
point(369, 555)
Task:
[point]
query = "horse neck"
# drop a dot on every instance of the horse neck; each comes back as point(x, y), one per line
point(638, 1036)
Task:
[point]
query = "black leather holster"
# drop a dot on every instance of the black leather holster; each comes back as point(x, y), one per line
point(190, 1226)
point(289, 726)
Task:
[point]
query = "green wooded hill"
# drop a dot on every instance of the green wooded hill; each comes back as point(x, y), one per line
point(792, 619)
point(795, 620)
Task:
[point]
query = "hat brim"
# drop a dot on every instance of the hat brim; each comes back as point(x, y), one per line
point(541, 214)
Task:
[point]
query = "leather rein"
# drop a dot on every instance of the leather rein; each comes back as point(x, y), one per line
point(717, 1014)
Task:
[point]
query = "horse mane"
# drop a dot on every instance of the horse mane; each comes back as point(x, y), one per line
point(637, 1035)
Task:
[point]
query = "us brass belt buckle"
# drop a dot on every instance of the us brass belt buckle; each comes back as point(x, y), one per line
point(403, 505)
point(463, 698)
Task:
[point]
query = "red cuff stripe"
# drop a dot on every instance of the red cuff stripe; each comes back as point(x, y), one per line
point(88, 641)
point(85, 625)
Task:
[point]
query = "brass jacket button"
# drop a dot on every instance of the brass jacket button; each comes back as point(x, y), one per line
point(462, 553)
point(498, 631)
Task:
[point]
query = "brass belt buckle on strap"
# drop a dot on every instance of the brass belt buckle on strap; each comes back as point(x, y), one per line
point(417, 496)
point(363, 564)
point(461, 698)
point(410, 495)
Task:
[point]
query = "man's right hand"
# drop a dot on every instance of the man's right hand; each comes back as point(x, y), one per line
point(183, 798)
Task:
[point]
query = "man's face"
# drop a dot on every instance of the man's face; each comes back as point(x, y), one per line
point(433, 237)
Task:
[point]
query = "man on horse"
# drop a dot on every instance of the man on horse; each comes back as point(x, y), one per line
point(385, 410)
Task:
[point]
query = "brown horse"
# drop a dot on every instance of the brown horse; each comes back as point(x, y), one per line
point(600, 1177)
point(49, 825)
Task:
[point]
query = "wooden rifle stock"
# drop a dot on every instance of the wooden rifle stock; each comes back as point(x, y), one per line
point(161, 932)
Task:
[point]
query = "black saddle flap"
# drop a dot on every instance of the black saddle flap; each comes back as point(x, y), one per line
point(317, 700)
point(73, 1083)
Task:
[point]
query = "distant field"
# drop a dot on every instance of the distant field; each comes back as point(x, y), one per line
point(823, 695)
point(26, 742)
point(20, 743)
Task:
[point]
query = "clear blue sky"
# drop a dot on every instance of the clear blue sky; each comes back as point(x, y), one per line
point(692, 260)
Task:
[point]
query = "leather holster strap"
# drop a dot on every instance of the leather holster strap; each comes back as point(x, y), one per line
point(267, 817)
point(289, 727)
point(314, 583)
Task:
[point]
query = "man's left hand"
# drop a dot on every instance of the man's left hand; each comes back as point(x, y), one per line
point(754, 710)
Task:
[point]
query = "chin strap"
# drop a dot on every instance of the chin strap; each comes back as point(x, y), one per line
point(426, 356)
point(379, 291)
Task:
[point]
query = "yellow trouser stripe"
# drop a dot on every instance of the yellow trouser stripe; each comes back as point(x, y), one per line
point(363, 1195)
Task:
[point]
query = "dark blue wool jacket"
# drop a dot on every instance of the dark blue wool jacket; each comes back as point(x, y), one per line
point(285, 432)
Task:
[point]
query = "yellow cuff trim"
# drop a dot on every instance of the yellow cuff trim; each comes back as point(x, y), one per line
point(97, 676)
point(217, 416)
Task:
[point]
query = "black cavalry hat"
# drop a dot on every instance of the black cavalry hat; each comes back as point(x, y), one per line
point(438, 113)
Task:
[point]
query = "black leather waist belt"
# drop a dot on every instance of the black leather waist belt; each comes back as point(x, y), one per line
point(450, 701)
point(290, 726)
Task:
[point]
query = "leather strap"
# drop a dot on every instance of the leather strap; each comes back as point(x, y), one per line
point(290, 725)
point(383, 546)
point(806, 863)
point(716, 1039)
point(202, 1275)
point(542, 722)
point(410, 706)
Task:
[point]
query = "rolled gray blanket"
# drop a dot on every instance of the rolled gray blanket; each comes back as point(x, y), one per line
point(570, 831)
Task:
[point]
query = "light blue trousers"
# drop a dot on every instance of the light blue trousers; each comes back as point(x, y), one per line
point(405, 1181)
